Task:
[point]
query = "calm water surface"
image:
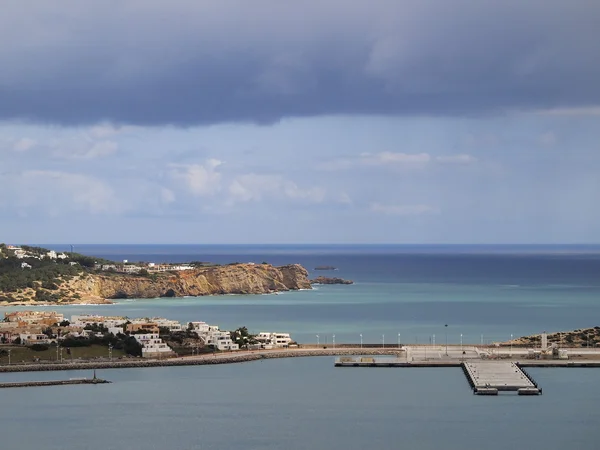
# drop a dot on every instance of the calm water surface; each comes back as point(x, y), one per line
point(302, 403)
point(309, 404)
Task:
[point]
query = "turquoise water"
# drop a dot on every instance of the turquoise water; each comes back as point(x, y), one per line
point(302, 403)
point(483, 293)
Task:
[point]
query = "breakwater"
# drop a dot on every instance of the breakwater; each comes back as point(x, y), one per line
point(227, 358)
point(17, 384)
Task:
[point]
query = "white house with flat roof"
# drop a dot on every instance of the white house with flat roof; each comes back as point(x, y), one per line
point(270, 340)
point(153, 346)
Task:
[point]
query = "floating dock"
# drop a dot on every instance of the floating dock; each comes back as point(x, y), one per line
point(489, 378)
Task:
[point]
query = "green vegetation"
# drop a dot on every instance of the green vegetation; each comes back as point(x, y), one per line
point(41, 273)
point(26, 354)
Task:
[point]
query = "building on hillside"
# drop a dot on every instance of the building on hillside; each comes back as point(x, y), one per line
point(203, 327)
point(24, 265)
point(221, 340)
point(172, 325)
point(142, 326)
point(83, 320)
point(153, 346)
point(271, 340)
point(34, 338)
point(34, 317)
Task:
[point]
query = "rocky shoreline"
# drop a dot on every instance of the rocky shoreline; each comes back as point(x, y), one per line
point(101, 287)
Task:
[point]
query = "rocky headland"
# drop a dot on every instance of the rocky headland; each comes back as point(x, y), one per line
point(215, 280)
point(330, 280)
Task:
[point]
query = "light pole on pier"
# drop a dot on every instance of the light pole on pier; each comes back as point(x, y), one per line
point(333, 340)
point(57, 346)
point(317, 339)
point(398, 340)
point(511, 339)
point(433, 340)
point(383, 340)
point(482, 339)
point(361, 340)
point(9, 350)
point(110, 347)
point(461, 344)
point(446, 326)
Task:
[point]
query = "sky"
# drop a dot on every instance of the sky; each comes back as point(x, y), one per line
point(387, 121)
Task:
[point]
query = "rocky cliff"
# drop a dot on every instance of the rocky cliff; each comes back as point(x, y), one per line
point(229, 279)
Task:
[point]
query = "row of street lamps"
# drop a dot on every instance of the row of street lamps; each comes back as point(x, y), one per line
point(432, 340)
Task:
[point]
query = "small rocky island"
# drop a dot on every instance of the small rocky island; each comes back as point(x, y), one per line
point(330, 280)
point(325, 268)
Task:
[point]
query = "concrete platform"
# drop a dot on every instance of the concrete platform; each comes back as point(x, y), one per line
point(484, 376)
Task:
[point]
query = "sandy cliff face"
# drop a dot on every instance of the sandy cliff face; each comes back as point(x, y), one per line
point(231, 279)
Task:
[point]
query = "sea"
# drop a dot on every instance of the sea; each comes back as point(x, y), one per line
point(401, 294)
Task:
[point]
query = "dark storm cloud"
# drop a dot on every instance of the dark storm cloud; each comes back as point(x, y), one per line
point(187, 62)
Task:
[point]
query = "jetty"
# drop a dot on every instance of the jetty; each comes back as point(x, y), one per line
point(70, 381)
point(491, 377)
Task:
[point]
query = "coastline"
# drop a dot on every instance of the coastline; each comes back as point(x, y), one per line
point(245, 356)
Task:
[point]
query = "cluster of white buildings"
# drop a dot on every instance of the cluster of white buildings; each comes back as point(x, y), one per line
point(21, 254)
point(30, 327)
point(151, 267)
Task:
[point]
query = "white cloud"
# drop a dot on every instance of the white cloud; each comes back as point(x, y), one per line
point(581, 111)
point(396, 158)
point(462, 158)
point(24, 144)
point(56, 192)
point(200, 179)
point(101, 149)
point(404, 210)
point(255, 187)
point(547, 139)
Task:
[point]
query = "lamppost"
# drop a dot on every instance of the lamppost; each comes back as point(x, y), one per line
point(398, 340)
point(433, 340)
point(446, 326)
point(361, 341)
point(9, 350)
point(57, 346)
point(110, 347)
point(333, 341)
point(482, 339)
point(511, 339)
point(317, 339)
point(383, 341)
point(461, 344)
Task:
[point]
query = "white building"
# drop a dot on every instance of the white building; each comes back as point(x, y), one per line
point(24, 265)
point(153, 346)
point(221, 340)
point(172, 325)
point(28, 339)
point(211, 335)
point(270, 340)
